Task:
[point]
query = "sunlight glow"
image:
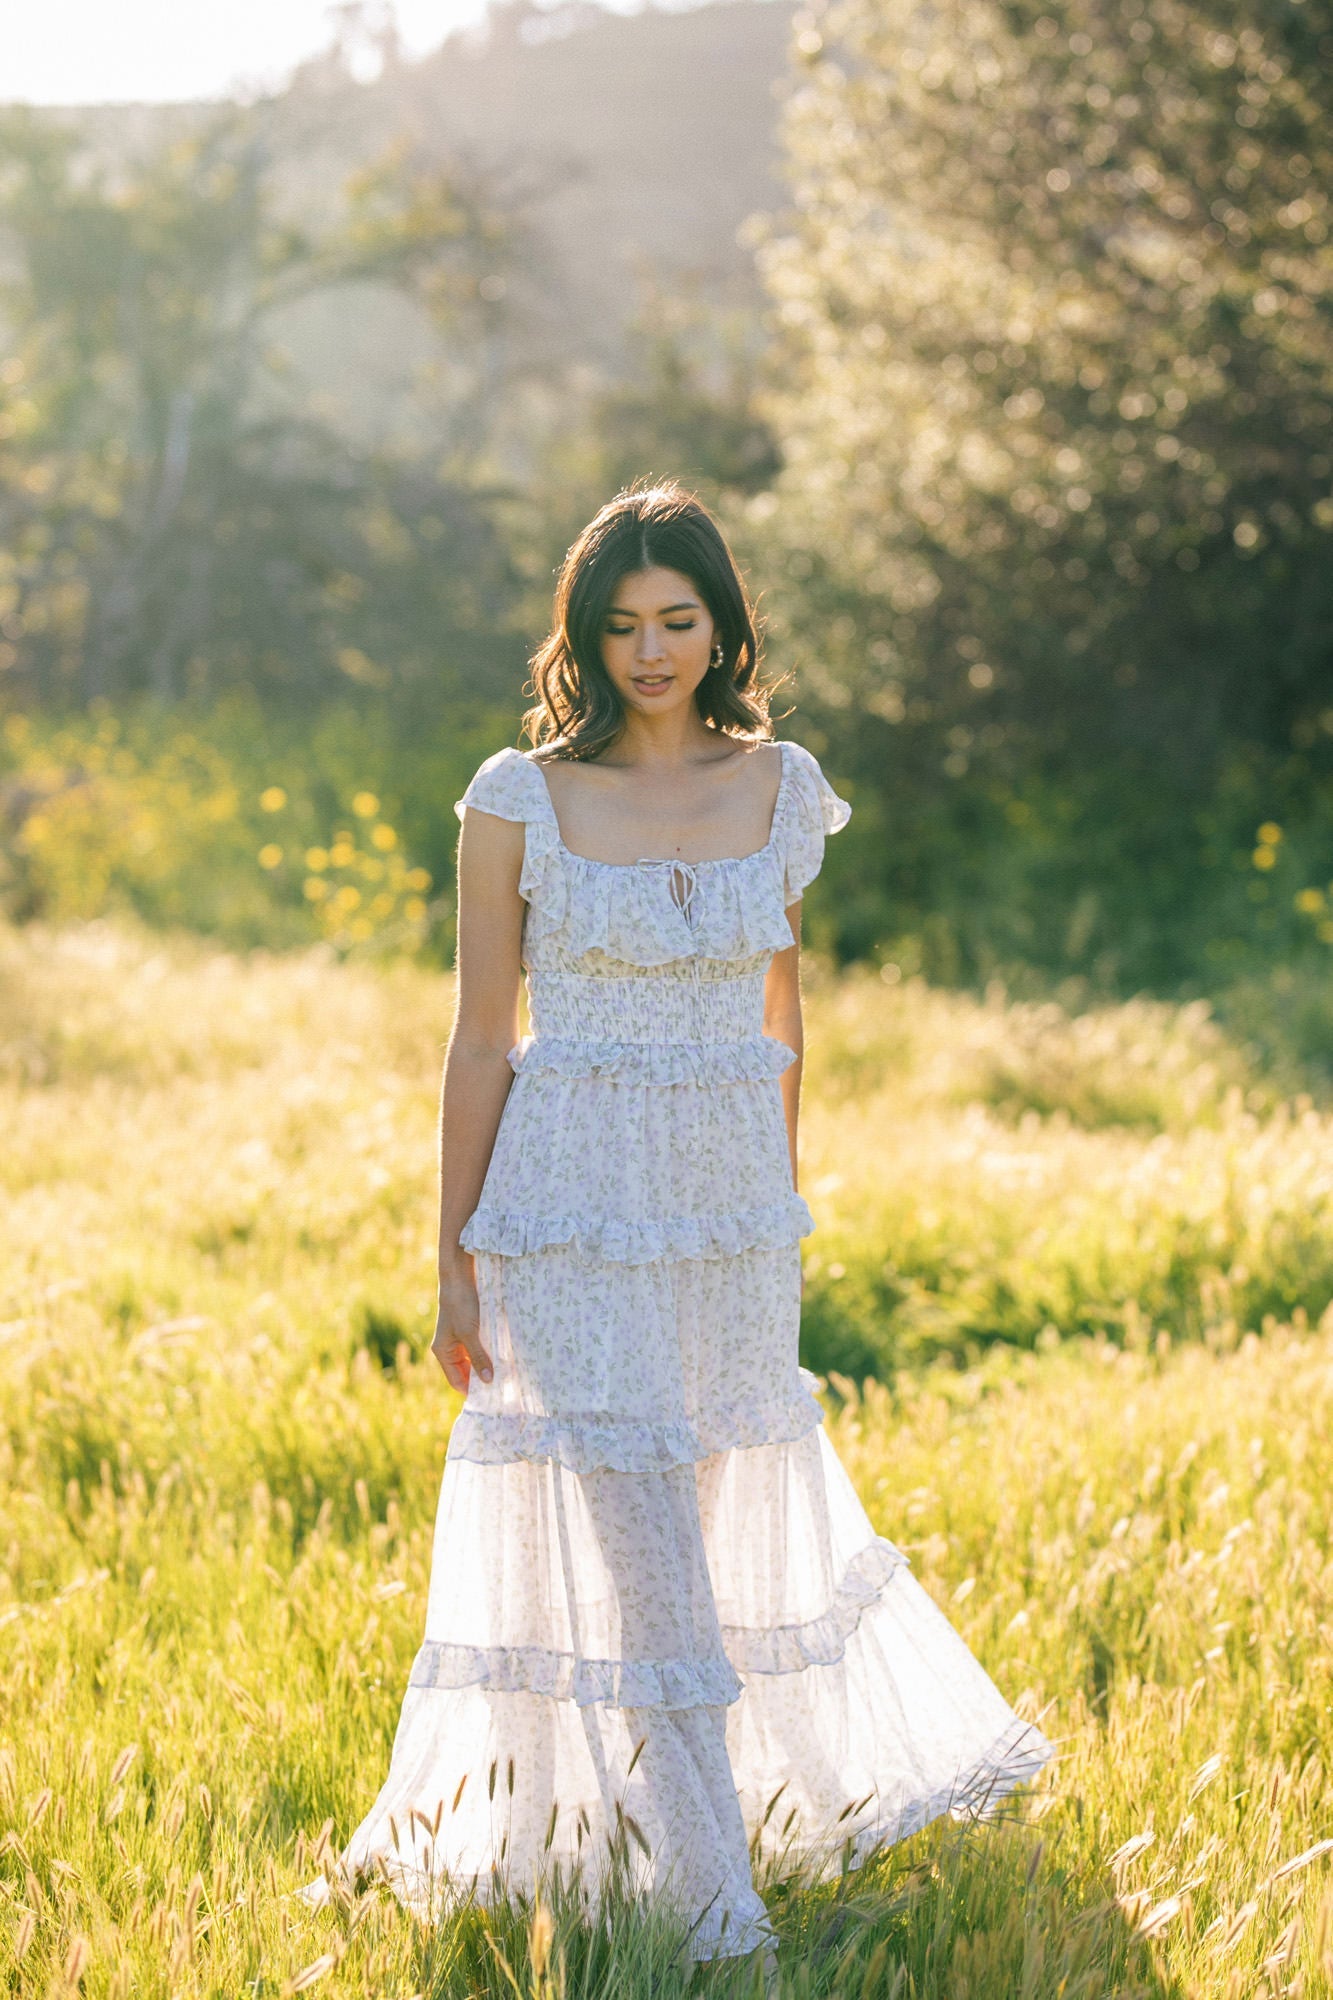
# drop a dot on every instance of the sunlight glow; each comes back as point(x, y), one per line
point(158, 51)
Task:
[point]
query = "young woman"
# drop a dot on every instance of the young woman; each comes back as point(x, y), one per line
point(660, 1624)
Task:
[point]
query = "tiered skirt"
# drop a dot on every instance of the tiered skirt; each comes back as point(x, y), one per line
point(662, 1636)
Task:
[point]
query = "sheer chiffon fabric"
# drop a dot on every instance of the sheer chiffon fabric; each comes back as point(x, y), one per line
point(660, 1624)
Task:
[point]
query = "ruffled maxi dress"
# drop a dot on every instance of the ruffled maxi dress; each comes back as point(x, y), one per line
point(660, 1625)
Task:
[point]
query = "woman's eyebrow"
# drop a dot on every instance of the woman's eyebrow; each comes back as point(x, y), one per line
point(690, 604)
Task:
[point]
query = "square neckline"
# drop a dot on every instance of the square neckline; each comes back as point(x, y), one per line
point(672, 861)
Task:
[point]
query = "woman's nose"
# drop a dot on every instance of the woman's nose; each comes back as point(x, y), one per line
point(650, 643)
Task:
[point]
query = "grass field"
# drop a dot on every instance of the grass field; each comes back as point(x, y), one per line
point(1088, 1259)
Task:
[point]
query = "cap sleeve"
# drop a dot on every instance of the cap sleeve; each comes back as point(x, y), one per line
point(511, 786)
point(815, 812)
point(507, 785)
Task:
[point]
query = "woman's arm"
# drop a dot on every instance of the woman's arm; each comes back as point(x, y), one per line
point(477, 1076)
point(782, 1020)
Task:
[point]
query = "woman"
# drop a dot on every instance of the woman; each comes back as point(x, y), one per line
point(660, 1623)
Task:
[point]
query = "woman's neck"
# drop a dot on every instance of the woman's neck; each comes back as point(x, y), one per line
point(665, 742)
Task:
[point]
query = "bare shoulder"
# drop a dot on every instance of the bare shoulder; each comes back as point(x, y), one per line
point(747, 758)
point(760, 764)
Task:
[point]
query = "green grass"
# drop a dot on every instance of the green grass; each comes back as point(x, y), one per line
point(220, 1447)
point(991, 1173)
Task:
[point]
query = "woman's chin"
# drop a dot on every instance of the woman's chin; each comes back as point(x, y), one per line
point(670, 696)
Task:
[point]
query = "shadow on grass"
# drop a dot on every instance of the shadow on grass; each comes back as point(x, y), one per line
point(960, 1912)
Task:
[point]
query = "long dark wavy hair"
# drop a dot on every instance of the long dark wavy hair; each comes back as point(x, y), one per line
point(578, 713)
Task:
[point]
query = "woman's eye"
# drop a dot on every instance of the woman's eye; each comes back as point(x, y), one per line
point(682, 628)
point(619, 631)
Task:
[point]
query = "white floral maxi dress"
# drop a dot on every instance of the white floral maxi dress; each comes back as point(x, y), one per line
point(656, 1604)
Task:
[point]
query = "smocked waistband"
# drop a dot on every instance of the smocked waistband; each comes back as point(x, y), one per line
point(669, 1008)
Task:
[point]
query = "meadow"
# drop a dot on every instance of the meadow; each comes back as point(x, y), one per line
point(1069, 1292)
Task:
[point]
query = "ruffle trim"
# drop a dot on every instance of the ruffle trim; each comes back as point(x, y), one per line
point(508, 1233)
point(818, 812)
point(753, 1060)
point(627, 913)
point(782, 1649)
point(624, 911)
point(600, 1443)
point(822, 1641)
point(563, 1677)
point(1015, 1758)
point(580, 1444)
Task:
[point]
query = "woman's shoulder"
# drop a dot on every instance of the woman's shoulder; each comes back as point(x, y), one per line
point(509, 784)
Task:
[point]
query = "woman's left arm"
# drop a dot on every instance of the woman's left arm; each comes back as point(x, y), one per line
point(782, 1020)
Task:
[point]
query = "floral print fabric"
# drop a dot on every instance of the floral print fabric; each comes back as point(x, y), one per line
point(656, 1601)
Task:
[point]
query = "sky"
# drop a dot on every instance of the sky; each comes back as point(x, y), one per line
point(156, 51)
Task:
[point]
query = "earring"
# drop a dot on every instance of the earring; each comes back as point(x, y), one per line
point(718, 656)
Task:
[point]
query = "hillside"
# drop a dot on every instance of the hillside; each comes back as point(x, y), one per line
point(631, 147)
point(642, 142)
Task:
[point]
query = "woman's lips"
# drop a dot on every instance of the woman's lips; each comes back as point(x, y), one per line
point(651, 683)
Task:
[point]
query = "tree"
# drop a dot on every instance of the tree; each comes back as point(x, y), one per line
point(174, 521)
point(1057, 405)
point(683, 406)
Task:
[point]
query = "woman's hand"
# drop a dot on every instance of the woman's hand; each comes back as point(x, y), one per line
point(457, 1343)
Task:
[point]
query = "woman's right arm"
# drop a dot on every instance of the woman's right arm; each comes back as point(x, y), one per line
point(477, 1076)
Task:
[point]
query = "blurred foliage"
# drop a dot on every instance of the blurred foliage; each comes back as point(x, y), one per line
point(259, 828)
point(1032, 478)
point(1054, 384)
point(685, 405)
point(175, 521)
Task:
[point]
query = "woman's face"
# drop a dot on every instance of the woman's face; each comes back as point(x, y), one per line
point(657, 640)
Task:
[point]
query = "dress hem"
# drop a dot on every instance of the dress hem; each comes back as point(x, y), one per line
point(1017, 1755)
point(430, 1892)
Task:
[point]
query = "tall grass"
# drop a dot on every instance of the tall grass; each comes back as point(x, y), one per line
point(990, 1173)
point(220, 1446)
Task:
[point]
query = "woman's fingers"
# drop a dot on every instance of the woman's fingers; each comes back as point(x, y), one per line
point(457, 1368)
point(459, 1357)
point(457, 1345)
